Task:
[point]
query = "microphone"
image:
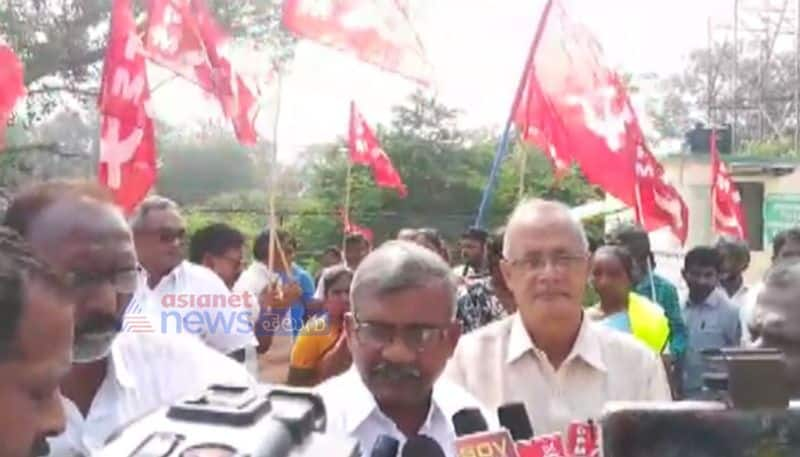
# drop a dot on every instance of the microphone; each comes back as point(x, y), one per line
point(475, 440)
point(385, 446)
point(422, 446)
point(468, 421)
point(514, 417)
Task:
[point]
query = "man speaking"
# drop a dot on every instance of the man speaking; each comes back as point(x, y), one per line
point(548, 355)
point(401, 330)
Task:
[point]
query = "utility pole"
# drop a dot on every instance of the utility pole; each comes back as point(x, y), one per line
point(735, 74)
point(797, 81)
point(710, 114)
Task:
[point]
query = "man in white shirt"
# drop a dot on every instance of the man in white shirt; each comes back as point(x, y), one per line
point(402, 329)
point(178, 296)
point(114, 378)
point(548, 355)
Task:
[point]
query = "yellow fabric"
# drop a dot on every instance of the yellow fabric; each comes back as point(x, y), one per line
point(313, 341)
point(648, 322)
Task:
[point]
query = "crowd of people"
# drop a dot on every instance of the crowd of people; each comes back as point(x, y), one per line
point(104, 319)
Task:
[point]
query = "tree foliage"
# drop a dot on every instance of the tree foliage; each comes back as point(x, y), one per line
point(763, 94)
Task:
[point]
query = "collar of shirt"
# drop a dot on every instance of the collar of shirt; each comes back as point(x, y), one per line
point(713, 300)
point(363, 405)
point(741, 293)
point(586, 346)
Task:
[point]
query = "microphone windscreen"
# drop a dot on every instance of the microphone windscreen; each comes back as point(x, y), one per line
point(422, 446)
point(468, 421)
point(385, 446)
point(514, 417)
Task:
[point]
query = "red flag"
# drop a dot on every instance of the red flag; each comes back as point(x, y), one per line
point(351, 228)
point(659, 203)
point(576, 108)
point(376, 31)
point(365, 150)
point(12, 86)
point(127, 146)
point(184, 37)
point(726, 203)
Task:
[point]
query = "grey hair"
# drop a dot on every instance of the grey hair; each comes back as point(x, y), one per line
point(149, 204)
point(546, 208)
point(397, 266)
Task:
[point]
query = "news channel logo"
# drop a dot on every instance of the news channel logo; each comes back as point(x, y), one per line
point(198, 314)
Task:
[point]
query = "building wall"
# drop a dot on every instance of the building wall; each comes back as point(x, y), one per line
point(692, 177)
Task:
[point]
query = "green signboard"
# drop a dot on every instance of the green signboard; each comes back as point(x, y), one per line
point(781, 212)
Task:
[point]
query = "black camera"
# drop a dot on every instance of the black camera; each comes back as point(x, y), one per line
point(234, 421)
point(748, 414)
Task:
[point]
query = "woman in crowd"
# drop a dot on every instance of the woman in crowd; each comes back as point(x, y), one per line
point(619, 307)
point(320, 351)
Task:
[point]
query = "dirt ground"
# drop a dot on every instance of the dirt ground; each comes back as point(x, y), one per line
point(274, 364)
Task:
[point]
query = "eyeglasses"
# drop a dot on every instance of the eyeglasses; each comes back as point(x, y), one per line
point(124, 281)
point(561, 262)
point(169, 235)
point(415, 337)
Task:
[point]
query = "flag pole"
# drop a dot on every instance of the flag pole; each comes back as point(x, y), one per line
point(347, 189)
point(502, 146)
point(522, 169)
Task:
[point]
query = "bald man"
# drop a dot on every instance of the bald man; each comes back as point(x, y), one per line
point(549, 356)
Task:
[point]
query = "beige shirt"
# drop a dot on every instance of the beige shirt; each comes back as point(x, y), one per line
point(499, 364)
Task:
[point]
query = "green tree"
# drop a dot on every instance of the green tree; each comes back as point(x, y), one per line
point(193, 170)
point(445, 169)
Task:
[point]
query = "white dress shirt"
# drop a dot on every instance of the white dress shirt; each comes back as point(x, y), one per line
point(352, 410)
point(145, 372)
point(192, 299)
point(746, 308)
point(500, 364)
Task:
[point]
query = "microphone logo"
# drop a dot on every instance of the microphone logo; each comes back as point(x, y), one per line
point(487, 444)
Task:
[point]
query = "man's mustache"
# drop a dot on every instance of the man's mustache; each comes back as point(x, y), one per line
point(395, 372)
point(99, 323)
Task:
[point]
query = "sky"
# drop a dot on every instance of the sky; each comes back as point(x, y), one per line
point(477, 49)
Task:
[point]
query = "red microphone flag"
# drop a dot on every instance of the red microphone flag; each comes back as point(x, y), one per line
point(726, 202)
point(576, 108)
point(378, 32)
point(365, 150)
point(12, 86)
point(183, 36)
point(127, 164)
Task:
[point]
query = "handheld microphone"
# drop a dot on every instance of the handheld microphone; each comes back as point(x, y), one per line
point(422, 446)
point(385, 446)
point(475, 440)
point(514, 417)
point(468, 421)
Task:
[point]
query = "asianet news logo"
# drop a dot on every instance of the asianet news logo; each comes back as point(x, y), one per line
point(200, 314)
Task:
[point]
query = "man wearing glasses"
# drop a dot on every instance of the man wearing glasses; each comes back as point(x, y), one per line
point(177, 296)
point(401, 331)
point(116, 376)
point(548, 355)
